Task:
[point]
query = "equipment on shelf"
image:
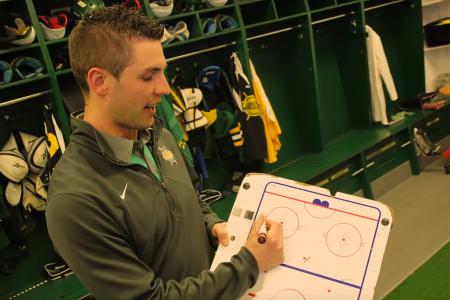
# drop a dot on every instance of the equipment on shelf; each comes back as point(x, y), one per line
point(179, 32)
point(437, 33)
point(17, 31)
point(5, 72)
point(27, 67)
point(446, 155)
point(132, 4)
point(218, 24)
point(53, 27)
point(216, 3)
point(161, 8)
point(423, 144)
point(82, 7)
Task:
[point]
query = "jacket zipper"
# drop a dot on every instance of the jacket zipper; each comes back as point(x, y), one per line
point(169, 197)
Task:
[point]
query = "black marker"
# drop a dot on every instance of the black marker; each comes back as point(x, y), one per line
point(262, 233)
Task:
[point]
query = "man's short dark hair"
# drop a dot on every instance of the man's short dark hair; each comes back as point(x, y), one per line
point(101, 39)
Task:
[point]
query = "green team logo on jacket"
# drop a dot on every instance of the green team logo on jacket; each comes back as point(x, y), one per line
point(167, 155)
point(251, 107)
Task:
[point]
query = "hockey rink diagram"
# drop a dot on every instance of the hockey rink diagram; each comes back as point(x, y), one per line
point(329, 241)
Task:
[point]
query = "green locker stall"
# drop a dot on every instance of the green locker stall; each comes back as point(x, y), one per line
point(311, 57)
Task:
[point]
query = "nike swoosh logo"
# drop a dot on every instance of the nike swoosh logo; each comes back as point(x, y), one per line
point(124, 192)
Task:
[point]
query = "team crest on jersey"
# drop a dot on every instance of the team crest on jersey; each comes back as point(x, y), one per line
point(251, 107)
point(167, 155)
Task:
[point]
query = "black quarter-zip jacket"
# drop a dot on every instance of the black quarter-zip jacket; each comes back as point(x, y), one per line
point(127, 235)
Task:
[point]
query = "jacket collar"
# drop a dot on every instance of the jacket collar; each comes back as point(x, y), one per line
point(96, 139)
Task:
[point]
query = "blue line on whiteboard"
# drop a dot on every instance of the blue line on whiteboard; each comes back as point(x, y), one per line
point(322, 276)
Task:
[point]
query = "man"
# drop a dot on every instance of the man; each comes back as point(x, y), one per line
point(122, 210)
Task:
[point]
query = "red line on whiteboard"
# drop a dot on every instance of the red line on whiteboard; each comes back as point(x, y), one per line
point(345, 212)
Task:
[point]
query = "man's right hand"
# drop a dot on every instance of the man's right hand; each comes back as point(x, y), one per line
point(271, 253)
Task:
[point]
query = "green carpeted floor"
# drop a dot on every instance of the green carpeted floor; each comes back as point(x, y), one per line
point(430, 282)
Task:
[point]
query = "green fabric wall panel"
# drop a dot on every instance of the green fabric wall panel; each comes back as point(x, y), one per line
point(290, 87)
point(26, 117)
point(206, 41)
point(342, 72)
point(355, 84)
point(332, 103)
point(319, 4)
point(287, 8)
point(258, 12)
point(410, 40)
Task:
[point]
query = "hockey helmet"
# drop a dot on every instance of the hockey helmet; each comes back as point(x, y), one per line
point(83, 7)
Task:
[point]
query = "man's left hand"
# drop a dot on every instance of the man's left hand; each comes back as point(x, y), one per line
point(219, 231)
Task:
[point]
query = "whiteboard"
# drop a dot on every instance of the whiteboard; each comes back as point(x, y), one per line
point(334, 245)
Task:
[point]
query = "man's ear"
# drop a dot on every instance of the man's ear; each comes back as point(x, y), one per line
point(96, 80)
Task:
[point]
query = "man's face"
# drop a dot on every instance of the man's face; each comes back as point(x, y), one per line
point(134, 95)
